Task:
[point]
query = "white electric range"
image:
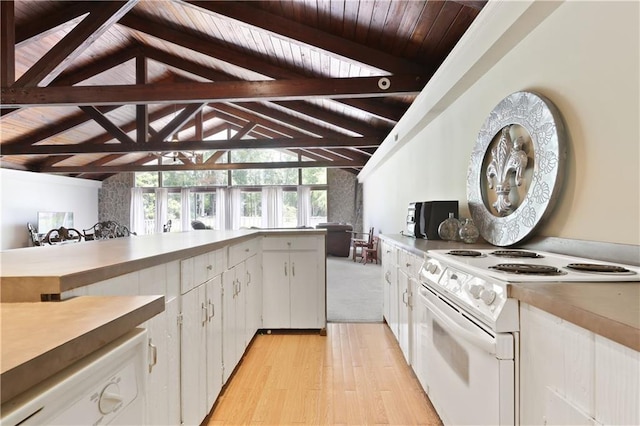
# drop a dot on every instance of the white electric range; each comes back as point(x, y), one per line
point(469, 327)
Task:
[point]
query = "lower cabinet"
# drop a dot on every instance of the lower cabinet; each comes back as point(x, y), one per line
point(293, 274)
point(569, 375)
point(234, 321)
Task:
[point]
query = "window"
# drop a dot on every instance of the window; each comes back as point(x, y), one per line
point(174, 208)
point(203, 207)
point(251, 210)
point(318, 206)
point(149, 203)
point(290, 209)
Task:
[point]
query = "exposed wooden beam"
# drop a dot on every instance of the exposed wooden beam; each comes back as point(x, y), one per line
point(164, 30)
point(176, 123)
point(315, 38)
point(194, 145)
point(7, 43)
point(142, 113)
point(217, 166)
point(102, 16)
point(226, 91)
point(106, 124)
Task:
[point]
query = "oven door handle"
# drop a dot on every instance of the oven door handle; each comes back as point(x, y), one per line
point(459, 328)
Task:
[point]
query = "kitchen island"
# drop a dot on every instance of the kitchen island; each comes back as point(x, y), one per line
point(194, 279)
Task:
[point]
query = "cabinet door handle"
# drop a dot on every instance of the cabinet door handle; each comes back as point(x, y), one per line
point(285, 269)
point(248, 277)
point(403, 298)
point(209, 267)
point(154, 355)
point(213, 310)
point(205, 314)
point(293, 269)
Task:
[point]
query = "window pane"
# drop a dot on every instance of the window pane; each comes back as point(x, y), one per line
point(261, 156)
point(290, 209)
point(210, 178)
point(314, 176)
point(203, 208)
point(264, 177)
point(318, 207)
point(251, 213)
point(149, 203)
point(178, 178)
point(174, 208)
point(146, 179)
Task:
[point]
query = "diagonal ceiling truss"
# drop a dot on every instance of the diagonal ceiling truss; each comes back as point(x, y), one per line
point(90, 89)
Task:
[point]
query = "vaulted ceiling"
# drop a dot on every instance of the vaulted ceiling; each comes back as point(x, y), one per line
point(90, 89)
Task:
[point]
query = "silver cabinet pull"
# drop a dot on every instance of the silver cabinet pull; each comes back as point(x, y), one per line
point(293, 269)
point(205, 314)
point(213, 310)
point(248, 277)
point(154, 355)
point(285, 269)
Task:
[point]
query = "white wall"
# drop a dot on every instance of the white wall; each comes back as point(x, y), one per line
point(584, 57)
point(24, 194)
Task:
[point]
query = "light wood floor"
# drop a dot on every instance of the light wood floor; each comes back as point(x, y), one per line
point(354, 375)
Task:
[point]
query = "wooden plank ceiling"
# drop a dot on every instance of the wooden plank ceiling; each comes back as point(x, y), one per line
point(90, 89)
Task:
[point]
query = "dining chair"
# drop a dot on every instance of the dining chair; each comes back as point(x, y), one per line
point(360, 240)
point(370, 253)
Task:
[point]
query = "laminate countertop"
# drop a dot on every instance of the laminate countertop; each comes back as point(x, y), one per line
point(28, 273)
point(609, 309)
point(40, 339)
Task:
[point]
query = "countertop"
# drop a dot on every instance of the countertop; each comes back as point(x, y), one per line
point(609, 309)
point(31, 352)
point(27, 273)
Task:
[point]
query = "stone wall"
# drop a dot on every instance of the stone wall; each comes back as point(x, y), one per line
point(114, 199)
point(344, 198)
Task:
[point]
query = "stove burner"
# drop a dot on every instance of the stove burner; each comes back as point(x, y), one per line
point(593, 267)
point(515, 253)
point(527, 269)
point(465, 253)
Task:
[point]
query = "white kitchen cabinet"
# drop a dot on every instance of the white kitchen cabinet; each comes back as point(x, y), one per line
point(213, 295)
point(233, 318)
point(389, 276)
point(253, 297)
point(293, 282)
point(194, 356)
point(408, 268)
point(569, 375)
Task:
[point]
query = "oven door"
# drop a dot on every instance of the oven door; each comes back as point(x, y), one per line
point(467, 371)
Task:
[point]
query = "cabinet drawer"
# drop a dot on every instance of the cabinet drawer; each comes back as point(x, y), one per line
point(290, 243)
point(241, 251)
point(409, 263)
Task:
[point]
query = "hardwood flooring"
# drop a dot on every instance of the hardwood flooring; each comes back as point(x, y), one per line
point(354, 375)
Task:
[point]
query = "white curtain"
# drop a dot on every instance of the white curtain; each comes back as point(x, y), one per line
point(272, 205)
point(136, 212)
point(235, 208)
point(222, 216)
point(185, 211)
point(162, 195)
point(304, 205)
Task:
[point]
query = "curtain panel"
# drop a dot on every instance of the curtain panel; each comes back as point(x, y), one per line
point(136, 212)
point(185, 209)
point(162, 196)
point(272, 205)
point(235, 208)
point(304, 205)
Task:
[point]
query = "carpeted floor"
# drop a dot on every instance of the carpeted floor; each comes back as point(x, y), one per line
point(354, 291)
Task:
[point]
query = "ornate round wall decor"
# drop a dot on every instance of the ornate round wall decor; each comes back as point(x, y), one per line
point(516, 168)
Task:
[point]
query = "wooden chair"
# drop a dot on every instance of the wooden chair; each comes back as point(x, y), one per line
point(361, 243)
point(62, 235)
point(370, 254)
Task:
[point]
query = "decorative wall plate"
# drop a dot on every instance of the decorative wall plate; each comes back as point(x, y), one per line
point(516, 168)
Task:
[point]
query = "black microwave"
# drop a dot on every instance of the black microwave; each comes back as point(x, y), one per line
point(424, 217)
